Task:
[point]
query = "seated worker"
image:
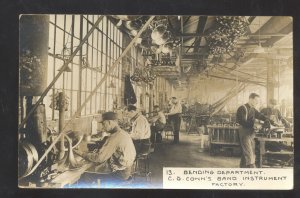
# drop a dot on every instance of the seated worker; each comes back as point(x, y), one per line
point(274, 114)
point(174, 116)
point(140, 130)
point(158, 122)
point(118, 153)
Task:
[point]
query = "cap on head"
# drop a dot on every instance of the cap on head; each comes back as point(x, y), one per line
point(109, 116)
point(174, 98)
point(253, 95)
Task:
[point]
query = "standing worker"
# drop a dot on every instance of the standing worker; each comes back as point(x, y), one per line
point(175, 117)
point(246, 115)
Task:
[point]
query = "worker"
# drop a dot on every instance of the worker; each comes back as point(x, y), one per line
point(140, 130)
point(274, 114)
point(246, 115)
point(158, 122)
point(174, 116)
point(118, 153)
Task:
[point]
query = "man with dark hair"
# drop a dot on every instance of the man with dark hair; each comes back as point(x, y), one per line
point(274, 114)
point(140, 132)
point(158, 122)
point(246, 115)
point(174, 116)
point(117, 154)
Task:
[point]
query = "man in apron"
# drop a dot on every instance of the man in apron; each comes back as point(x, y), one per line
point(246, 115)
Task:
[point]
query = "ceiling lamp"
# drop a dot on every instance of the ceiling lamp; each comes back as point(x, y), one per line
point(158, 32)
point(133, 32)
point(167, 48)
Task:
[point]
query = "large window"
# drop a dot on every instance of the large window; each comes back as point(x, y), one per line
point(89, 65)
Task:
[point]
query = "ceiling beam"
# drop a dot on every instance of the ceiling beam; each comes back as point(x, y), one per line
point(245, 81)
point(250, 35)
point(285, 31)
point(200, 29)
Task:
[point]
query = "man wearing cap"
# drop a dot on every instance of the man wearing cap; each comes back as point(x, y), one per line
point(246, 115)
point(274, 114)
point(140, 131)
point(174, 116)
point(118, 152)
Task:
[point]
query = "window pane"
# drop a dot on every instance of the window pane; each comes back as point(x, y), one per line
point(69, 24)
point(51, 38)
point(75, 73)
point(89, 85)
point(74, 101)
point(50, 69)
point(77, 26)
point(60, 20)
point(104, 25)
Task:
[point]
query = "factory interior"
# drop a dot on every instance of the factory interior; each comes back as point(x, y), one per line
point(101, 95)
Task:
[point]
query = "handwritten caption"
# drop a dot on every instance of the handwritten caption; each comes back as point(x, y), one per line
point(225, 178)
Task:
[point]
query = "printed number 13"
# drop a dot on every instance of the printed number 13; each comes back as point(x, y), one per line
point(169, 172)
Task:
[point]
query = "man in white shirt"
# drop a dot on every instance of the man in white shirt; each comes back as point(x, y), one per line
point(158, 122)
point(174, 116)
point(117, 154)
point(140, 132)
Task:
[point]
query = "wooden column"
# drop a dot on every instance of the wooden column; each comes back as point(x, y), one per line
point(270, 80)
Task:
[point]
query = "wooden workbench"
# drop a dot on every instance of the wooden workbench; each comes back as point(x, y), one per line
point(261, 149)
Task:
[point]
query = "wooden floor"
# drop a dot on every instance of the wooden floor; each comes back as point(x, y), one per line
point(185, 154)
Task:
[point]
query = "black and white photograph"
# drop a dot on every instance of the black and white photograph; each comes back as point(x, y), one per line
point(155, 101)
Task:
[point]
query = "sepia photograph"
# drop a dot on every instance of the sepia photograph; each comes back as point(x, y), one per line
point(155, 101)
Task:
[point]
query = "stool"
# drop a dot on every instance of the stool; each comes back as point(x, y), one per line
point(144, 170)
point(168, 131)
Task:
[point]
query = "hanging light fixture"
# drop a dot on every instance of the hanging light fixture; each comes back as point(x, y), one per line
point(158, 31)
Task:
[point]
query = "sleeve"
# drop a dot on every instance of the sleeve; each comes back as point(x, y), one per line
point(137, 129)
point(260, 116)
point(107, 150)
point(176, 109)
point(241, 117)
point(284, 121)
point(264, 111)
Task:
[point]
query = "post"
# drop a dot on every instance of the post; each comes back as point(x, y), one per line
point(61, 123)
point(270, 80)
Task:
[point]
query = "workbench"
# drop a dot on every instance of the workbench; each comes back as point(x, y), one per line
point(261, 151)
point(223, 137)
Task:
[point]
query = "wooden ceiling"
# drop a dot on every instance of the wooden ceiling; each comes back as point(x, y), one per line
point(273, 33)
